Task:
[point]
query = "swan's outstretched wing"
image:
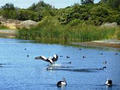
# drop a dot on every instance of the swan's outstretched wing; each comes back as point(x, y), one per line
point(50, 60)
point(42, 58)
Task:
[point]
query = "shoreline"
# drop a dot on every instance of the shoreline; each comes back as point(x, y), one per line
point(7, 33)
point(101, 43)
point(113, 43)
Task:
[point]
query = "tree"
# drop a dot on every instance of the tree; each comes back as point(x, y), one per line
point(42, 8)
point(87, 1)
point(41, 5)
point(112, 3)
point(8, 6)
point(24, 14)
point(8, 10)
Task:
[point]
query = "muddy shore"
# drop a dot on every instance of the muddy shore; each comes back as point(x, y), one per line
point(101, 43)
point(7, 33)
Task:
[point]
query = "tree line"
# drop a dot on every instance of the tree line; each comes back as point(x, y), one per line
point(88, 12)
point(111, 3)
point(72, 24)
point(35, 12)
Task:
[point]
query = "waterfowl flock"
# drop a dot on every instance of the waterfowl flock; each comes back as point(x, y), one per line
point(36, 69)
point(63, 82)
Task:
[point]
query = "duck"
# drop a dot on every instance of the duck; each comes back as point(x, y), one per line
point(84, 57)
point(116, 53)
point(69, 62)
point(61, 56)
point(108, 82)
point(51, 60)
point(105, 62)
point(27, 55)
point(67, 57)
point(104, 67)
point(62, 83)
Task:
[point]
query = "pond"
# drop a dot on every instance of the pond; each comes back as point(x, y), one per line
point(81, 67)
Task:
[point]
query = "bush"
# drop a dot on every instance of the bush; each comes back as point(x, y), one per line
point(75, 22)
point(27, 14)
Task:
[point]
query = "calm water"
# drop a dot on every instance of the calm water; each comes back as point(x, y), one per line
point(19, 72)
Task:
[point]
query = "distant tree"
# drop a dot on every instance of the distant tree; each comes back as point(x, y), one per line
point(24, 14)
point(87, 1)
point(39, 6)
point(9, 11)
point(104, 1)
point(43, 9)
point(112, 3)
point(33, 7)
point(8, 6)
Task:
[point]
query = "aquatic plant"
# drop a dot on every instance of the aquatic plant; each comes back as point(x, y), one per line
point(50, 30)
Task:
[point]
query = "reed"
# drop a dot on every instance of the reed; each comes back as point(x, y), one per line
point(51, 31)
point(3, 27)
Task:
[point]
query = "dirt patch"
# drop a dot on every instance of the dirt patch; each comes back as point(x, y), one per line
point(8, 33)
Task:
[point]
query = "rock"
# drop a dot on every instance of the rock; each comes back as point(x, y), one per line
point(26, 24)
point(10, 25)
point(109, 25)
point(16, 24)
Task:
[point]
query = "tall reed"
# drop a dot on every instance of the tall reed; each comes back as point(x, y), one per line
point(51, 31)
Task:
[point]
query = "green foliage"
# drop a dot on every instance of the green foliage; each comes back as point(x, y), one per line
point(42, 8)
point(27, 14)
point(8, 11)
point(74, 23)
point(35, 12)
point(39, 6)
point(87, 1)
point(51, 31)
point(112, 3)
point(114, 18)
point(2, 27)
point(8, 6)
point(96, 14)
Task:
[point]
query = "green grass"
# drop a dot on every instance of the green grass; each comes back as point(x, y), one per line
point(49, 30)
point(3, 27)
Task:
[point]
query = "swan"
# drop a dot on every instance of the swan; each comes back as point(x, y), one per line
point(62, 83)
point(108, 82)
point(51, 60)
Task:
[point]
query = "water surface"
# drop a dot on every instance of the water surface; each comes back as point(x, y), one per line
point(82, 67)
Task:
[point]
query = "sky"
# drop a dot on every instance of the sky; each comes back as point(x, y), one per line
point(55, 3)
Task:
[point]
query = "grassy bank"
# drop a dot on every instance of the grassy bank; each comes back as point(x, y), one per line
point(76, 23)
point(3, 27)
point(51, 31)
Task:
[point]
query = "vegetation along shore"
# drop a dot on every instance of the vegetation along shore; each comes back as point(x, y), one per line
point(78, 23)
